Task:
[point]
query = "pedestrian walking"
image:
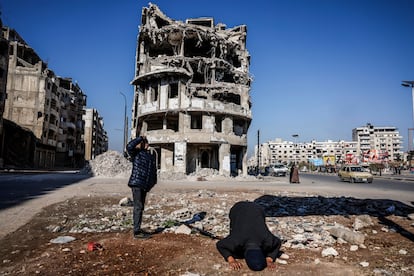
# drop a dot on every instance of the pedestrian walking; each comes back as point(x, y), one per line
point(294, 174)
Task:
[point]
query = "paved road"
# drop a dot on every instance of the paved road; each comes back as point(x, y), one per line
point(24, 195)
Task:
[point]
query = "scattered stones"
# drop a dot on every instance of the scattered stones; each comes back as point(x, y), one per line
point(362, 221)
point(63, 239)
point(403, 252)
point(353, 248)
point(364, 264)
point(347, 235)
point(284, 262)
point(330, 251)
point(126, 201)
point(183, 229)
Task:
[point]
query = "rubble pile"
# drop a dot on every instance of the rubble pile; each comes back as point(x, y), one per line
point(109, 164)
point(114, 164)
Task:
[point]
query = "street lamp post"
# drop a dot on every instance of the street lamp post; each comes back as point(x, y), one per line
point(410, 84)
point(296, 141)
point(125, 121)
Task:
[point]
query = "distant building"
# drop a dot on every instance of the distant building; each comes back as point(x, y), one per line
point(70, 150)
point(287, 152)
point(192, 88)
point(370, 145)
point(378, 144)
point(96, 138)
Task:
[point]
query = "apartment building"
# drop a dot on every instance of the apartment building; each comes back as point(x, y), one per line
point(96, 138)
point(70, 150)
point(370, 145)
point(43, 111)
point(378, 144)
point(4, 65)
point(286, 152)
point(191, 95)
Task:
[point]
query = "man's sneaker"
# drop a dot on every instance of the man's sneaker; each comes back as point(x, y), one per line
point(142, 235)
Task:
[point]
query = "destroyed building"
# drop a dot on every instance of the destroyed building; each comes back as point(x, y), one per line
point(192, 93)
point(42, 112)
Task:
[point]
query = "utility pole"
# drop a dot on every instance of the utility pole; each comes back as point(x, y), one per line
point(258, 152)
point(125, 122)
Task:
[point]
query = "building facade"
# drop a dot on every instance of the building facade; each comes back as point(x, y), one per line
point(378, 144)
point(96, 138)
point(43, 112)
point(4, 65)
point(288, 152)
point(369, 145)
point(191, 95)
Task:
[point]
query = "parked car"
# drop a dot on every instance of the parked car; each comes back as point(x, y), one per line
point(354, 173)
point(278, 170)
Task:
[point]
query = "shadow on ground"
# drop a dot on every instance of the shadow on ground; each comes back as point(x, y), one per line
point(18, 188)
point(281, 206)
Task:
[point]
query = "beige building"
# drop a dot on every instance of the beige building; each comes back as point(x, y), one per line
point(4, 65)
point(29, 97)
point(45, 111)
point(378, 144)
point(191, 97)
point(70, 150)
point(96, 138)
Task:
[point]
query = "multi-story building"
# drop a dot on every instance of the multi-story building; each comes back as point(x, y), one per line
point(191, 97)
point(4, 65)
point(43, 111)
point(30, 97)
point(70, 149)
point(96, 138)
point(287, 152)
point(378, 144)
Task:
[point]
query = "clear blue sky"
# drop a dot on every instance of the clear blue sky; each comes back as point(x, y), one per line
point(320, 67)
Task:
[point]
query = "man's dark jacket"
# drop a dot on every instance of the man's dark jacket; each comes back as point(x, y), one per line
point(144, 169)
point(248, 230)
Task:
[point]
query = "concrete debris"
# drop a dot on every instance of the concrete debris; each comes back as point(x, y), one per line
point(109, 164)
point(329, 252)
point(183, 229)
point(114, 164)
point(362, 222)
point(347, 235)
point(364, 264)
point(63, 239)
point(126, 201)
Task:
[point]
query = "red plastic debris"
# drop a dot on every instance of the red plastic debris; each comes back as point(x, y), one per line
point(92, 246)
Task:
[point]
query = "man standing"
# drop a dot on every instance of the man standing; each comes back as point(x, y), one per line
point(249, 238)
point(143, 178)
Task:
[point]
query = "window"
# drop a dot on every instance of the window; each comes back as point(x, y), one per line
point(196, 121)
point(173, 93)
point(154, 93)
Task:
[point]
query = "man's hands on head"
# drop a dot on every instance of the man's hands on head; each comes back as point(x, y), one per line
point(234, 264)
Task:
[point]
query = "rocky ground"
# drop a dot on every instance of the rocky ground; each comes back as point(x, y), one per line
point(321, 235)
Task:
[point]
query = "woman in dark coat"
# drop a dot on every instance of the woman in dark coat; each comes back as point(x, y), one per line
point(294, 174)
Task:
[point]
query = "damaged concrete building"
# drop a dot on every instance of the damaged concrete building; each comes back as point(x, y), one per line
point(43, 112)
point(192, 93)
